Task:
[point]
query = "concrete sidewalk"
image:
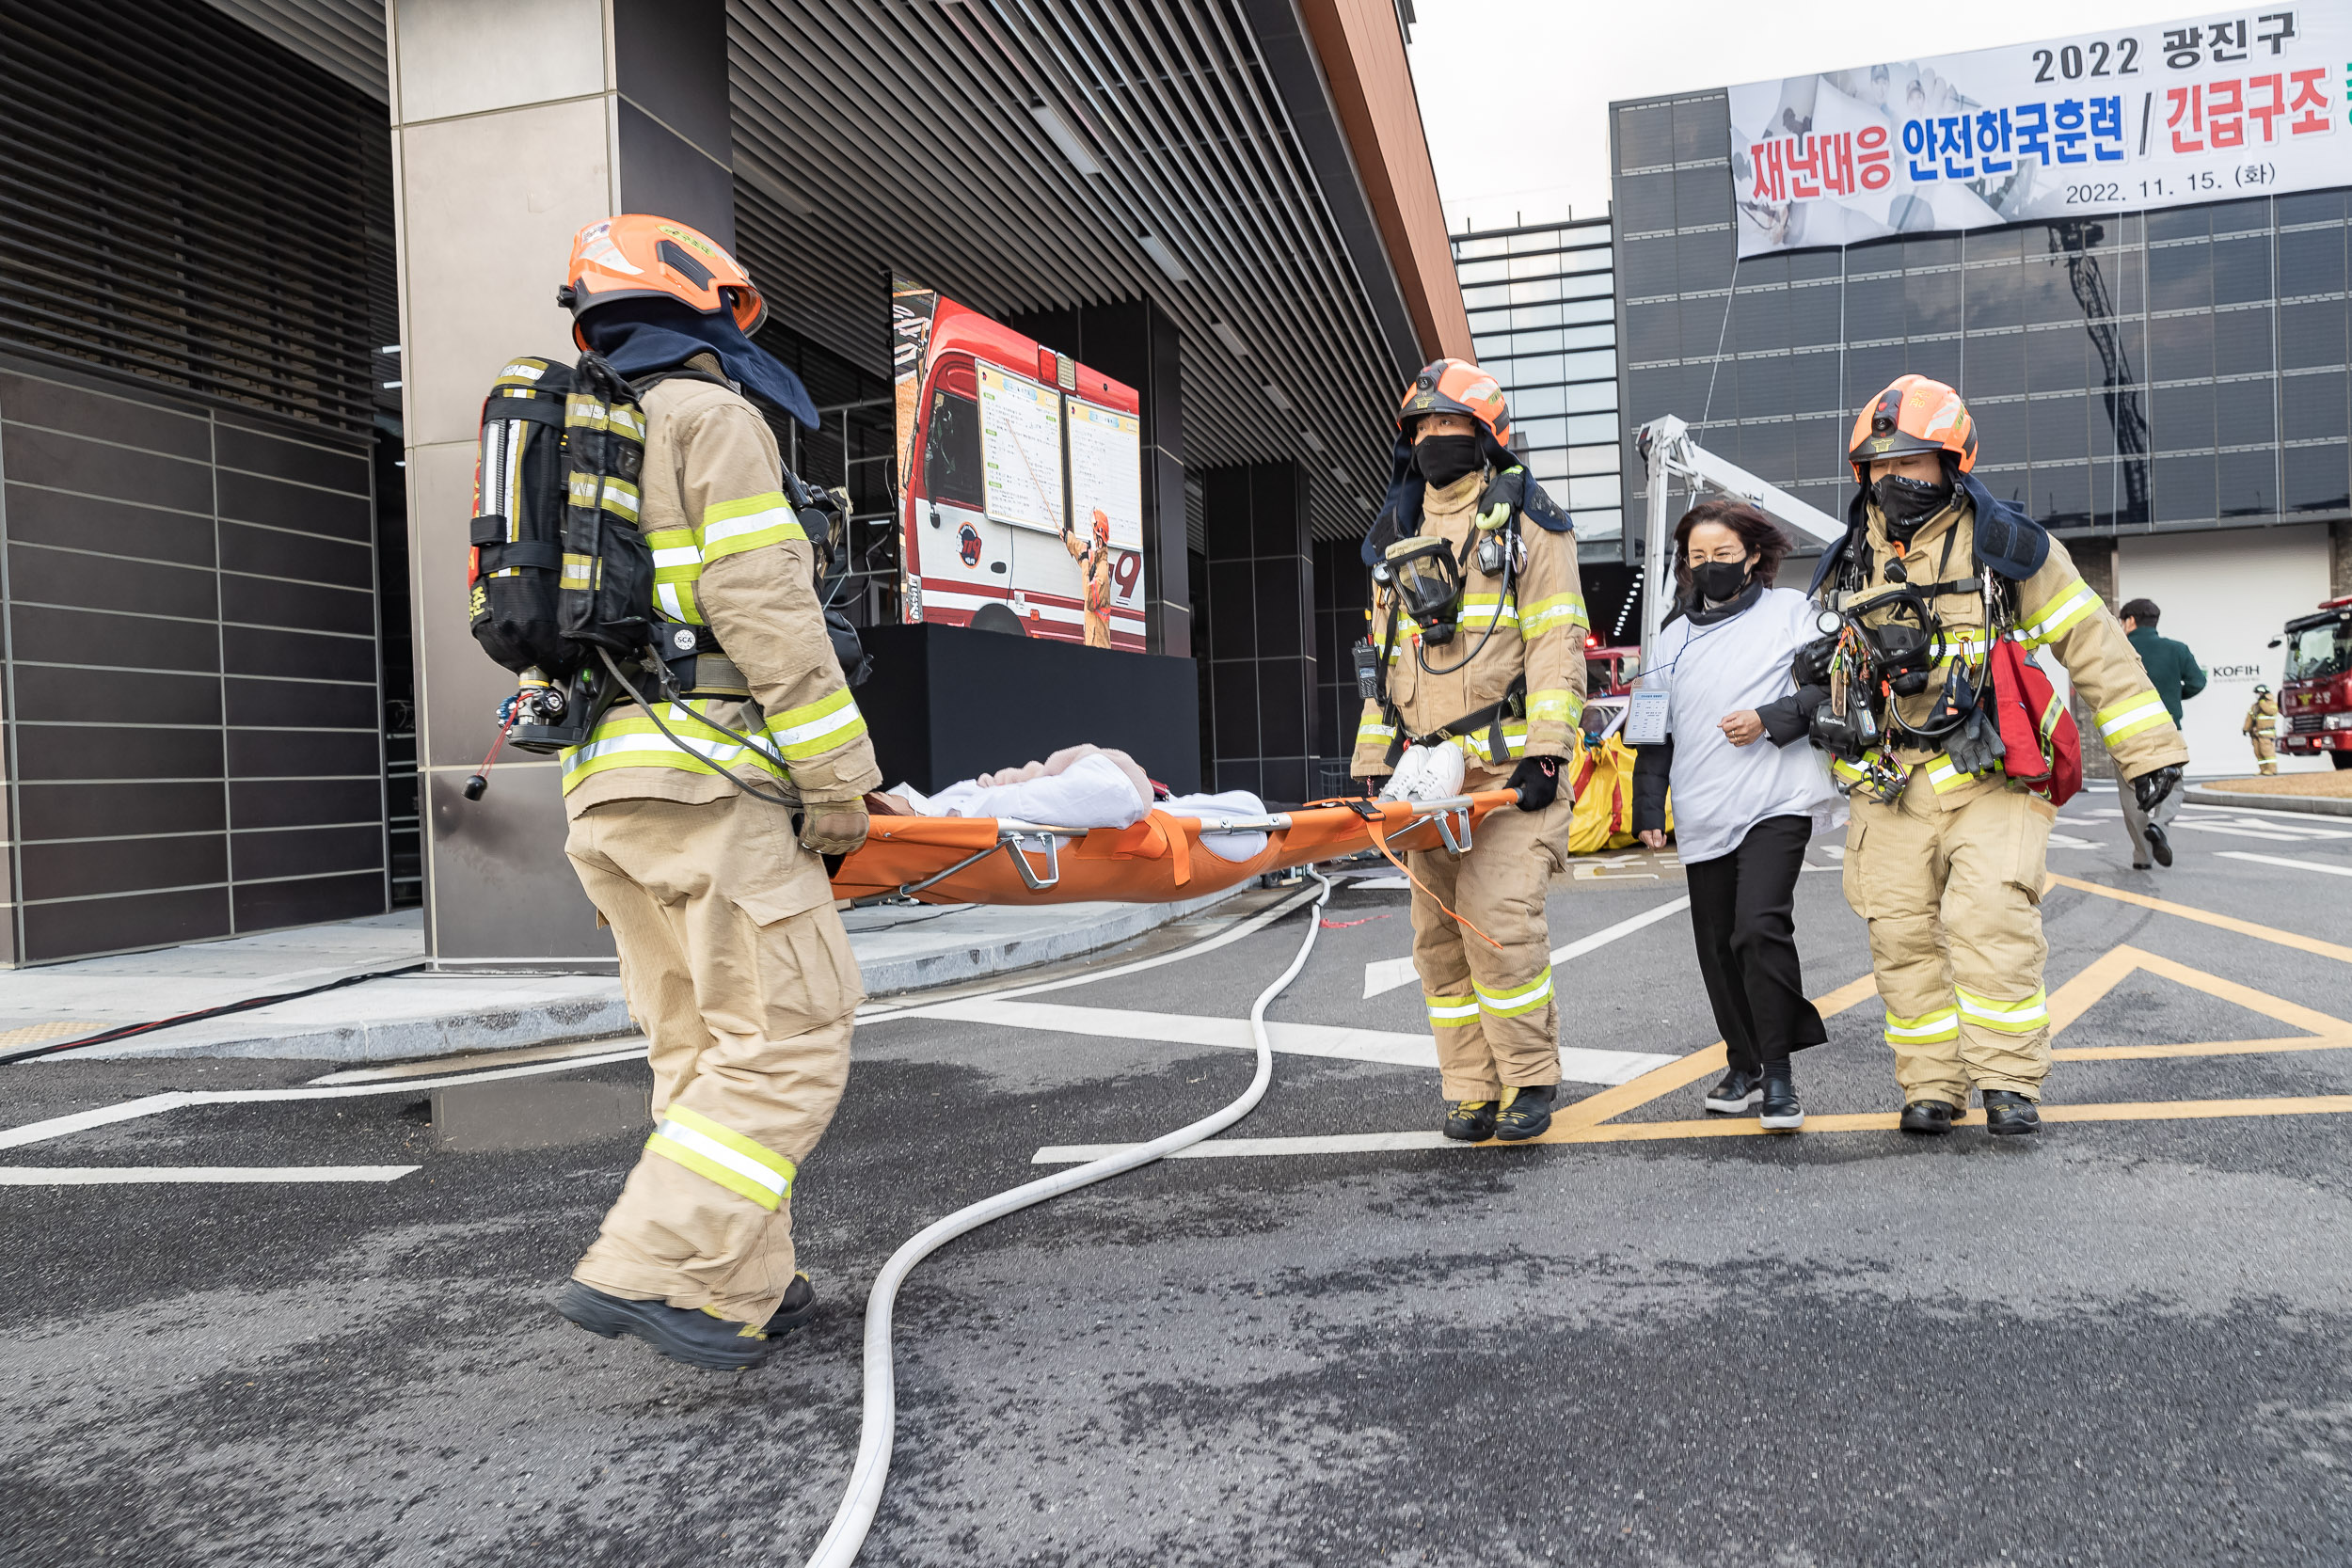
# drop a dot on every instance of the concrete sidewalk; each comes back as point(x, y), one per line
point(427, 1014)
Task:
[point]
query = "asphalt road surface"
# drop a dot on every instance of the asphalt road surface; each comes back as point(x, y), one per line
point(1651, 1339)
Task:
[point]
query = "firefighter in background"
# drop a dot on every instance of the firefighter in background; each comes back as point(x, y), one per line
point(2261, 728)
point(733, 960)
point(1095, 564)
point(1948, 872)
point(1478, 644)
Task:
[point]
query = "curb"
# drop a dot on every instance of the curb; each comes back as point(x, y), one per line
point(2315, 805)
point(595, 1010)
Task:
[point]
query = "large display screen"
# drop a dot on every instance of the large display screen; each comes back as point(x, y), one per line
point(1020, 481)
point(2233, 104)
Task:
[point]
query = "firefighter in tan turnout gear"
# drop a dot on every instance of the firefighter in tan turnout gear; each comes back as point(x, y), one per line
point(733, 958)
point(1944, 852)
point(2261, 728)
point(1476, 669)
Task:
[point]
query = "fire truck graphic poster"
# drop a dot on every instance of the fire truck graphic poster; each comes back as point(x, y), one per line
point(1106, 470)
point(1009, 454)
point(2233, 104)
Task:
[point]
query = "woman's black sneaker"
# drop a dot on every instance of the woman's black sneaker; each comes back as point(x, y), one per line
point(1927, 1116)
point(1525, 1113)
point(1780, 1111)
point(2008, 1113)
point(1734, 1092)
point(1472, 1122)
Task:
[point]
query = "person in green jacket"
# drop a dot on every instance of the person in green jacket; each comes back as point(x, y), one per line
point(2177, 676)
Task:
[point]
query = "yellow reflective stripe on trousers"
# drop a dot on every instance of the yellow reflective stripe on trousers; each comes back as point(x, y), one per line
point(1941, 1024)
point(1451, 1012)
point(1520, 999)
point(1551, 613)
point(730, 528)
point(727, 1157)
point(2022, 1017)
point(817, 727)
point(2060, 615)
point(1551, 705)
point(2142, 710)
point(626, 738)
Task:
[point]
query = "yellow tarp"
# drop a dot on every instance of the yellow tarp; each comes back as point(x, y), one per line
point(1604, 799)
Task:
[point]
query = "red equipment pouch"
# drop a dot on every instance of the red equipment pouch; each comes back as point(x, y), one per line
point(2045, 751)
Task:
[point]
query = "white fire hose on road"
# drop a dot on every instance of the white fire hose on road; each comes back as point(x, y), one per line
point(872, 1471)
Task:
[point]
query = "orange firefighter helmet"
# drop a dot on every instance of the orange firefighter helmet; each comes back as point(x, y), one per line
point(1101, 527)
point(1913, 415)
point(637, 256)
point(1457, 386)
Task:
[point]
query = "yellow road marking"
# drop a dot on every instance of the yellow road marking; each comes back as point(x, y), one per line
point(2081, 993)
point(1593, 1119)
point(2226, 923)
point(1658, 1082)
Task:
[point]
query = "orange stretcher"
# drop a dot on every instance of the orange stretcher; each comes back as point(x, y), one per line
point(986, 859)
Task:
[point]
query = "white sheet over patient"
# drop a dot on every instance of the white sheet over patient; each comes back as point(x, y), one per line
point(1092, 792)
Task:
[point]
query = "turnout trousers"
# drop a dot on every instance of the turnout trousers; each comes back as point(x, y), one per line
point(1953, 898)
point(745, 987)
point(1492, 1010)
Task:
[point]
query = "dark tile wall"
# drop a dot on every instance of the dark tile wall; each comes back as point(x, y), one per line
point(1342, 598)
point(1255, 631)
point(194, 742)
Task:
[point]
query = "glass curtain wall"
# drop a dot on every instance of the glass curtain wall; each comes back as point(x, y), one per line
point(1543, 319)
point(2181, 369)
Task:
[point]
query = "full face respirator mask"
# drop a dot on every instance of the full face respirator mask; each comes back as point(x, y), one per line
point(1426, 578)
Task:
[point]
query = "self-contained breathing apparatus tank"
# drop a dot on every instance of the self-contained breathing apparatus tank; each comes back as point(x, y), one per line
point(560, 580)
point(1870, 666)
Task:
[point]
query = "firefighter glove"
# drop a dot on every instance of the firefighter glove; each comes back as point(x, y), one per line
point(2152, 787)
point(1501, 497)
point(833, 827)
point(1537, 780)
point(1811, 665)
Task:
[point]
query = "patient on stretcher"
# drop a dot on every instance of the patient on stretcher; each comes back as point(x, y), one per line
point(1079, 787)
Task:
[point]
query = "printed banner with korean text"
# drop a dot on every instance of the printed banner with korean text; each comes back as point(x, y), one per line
point(2234, 104)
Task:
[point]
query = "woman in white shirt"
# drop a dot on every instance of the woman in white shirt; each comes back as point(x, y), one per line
point(1743, 812)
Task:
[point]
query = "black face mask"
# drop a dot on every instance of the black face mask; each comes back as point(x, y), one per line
point(1906, 503)
point(1446, 459)
point(1720, 581)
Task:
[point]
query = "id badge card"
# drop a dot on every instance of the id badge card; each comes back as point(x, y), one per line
point(1645, 717)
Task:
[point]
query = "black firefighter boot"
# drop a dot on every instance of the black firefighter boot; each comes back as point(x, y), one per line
point(2008, 1113)
point(1525, 1113)
point(1927, 1116)
point(696, 1336)
point(1472, 1121)
point(1781, 1111)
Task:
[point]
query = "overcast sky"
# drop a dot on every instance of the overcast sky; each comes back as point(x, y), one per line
point(1515, 94)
